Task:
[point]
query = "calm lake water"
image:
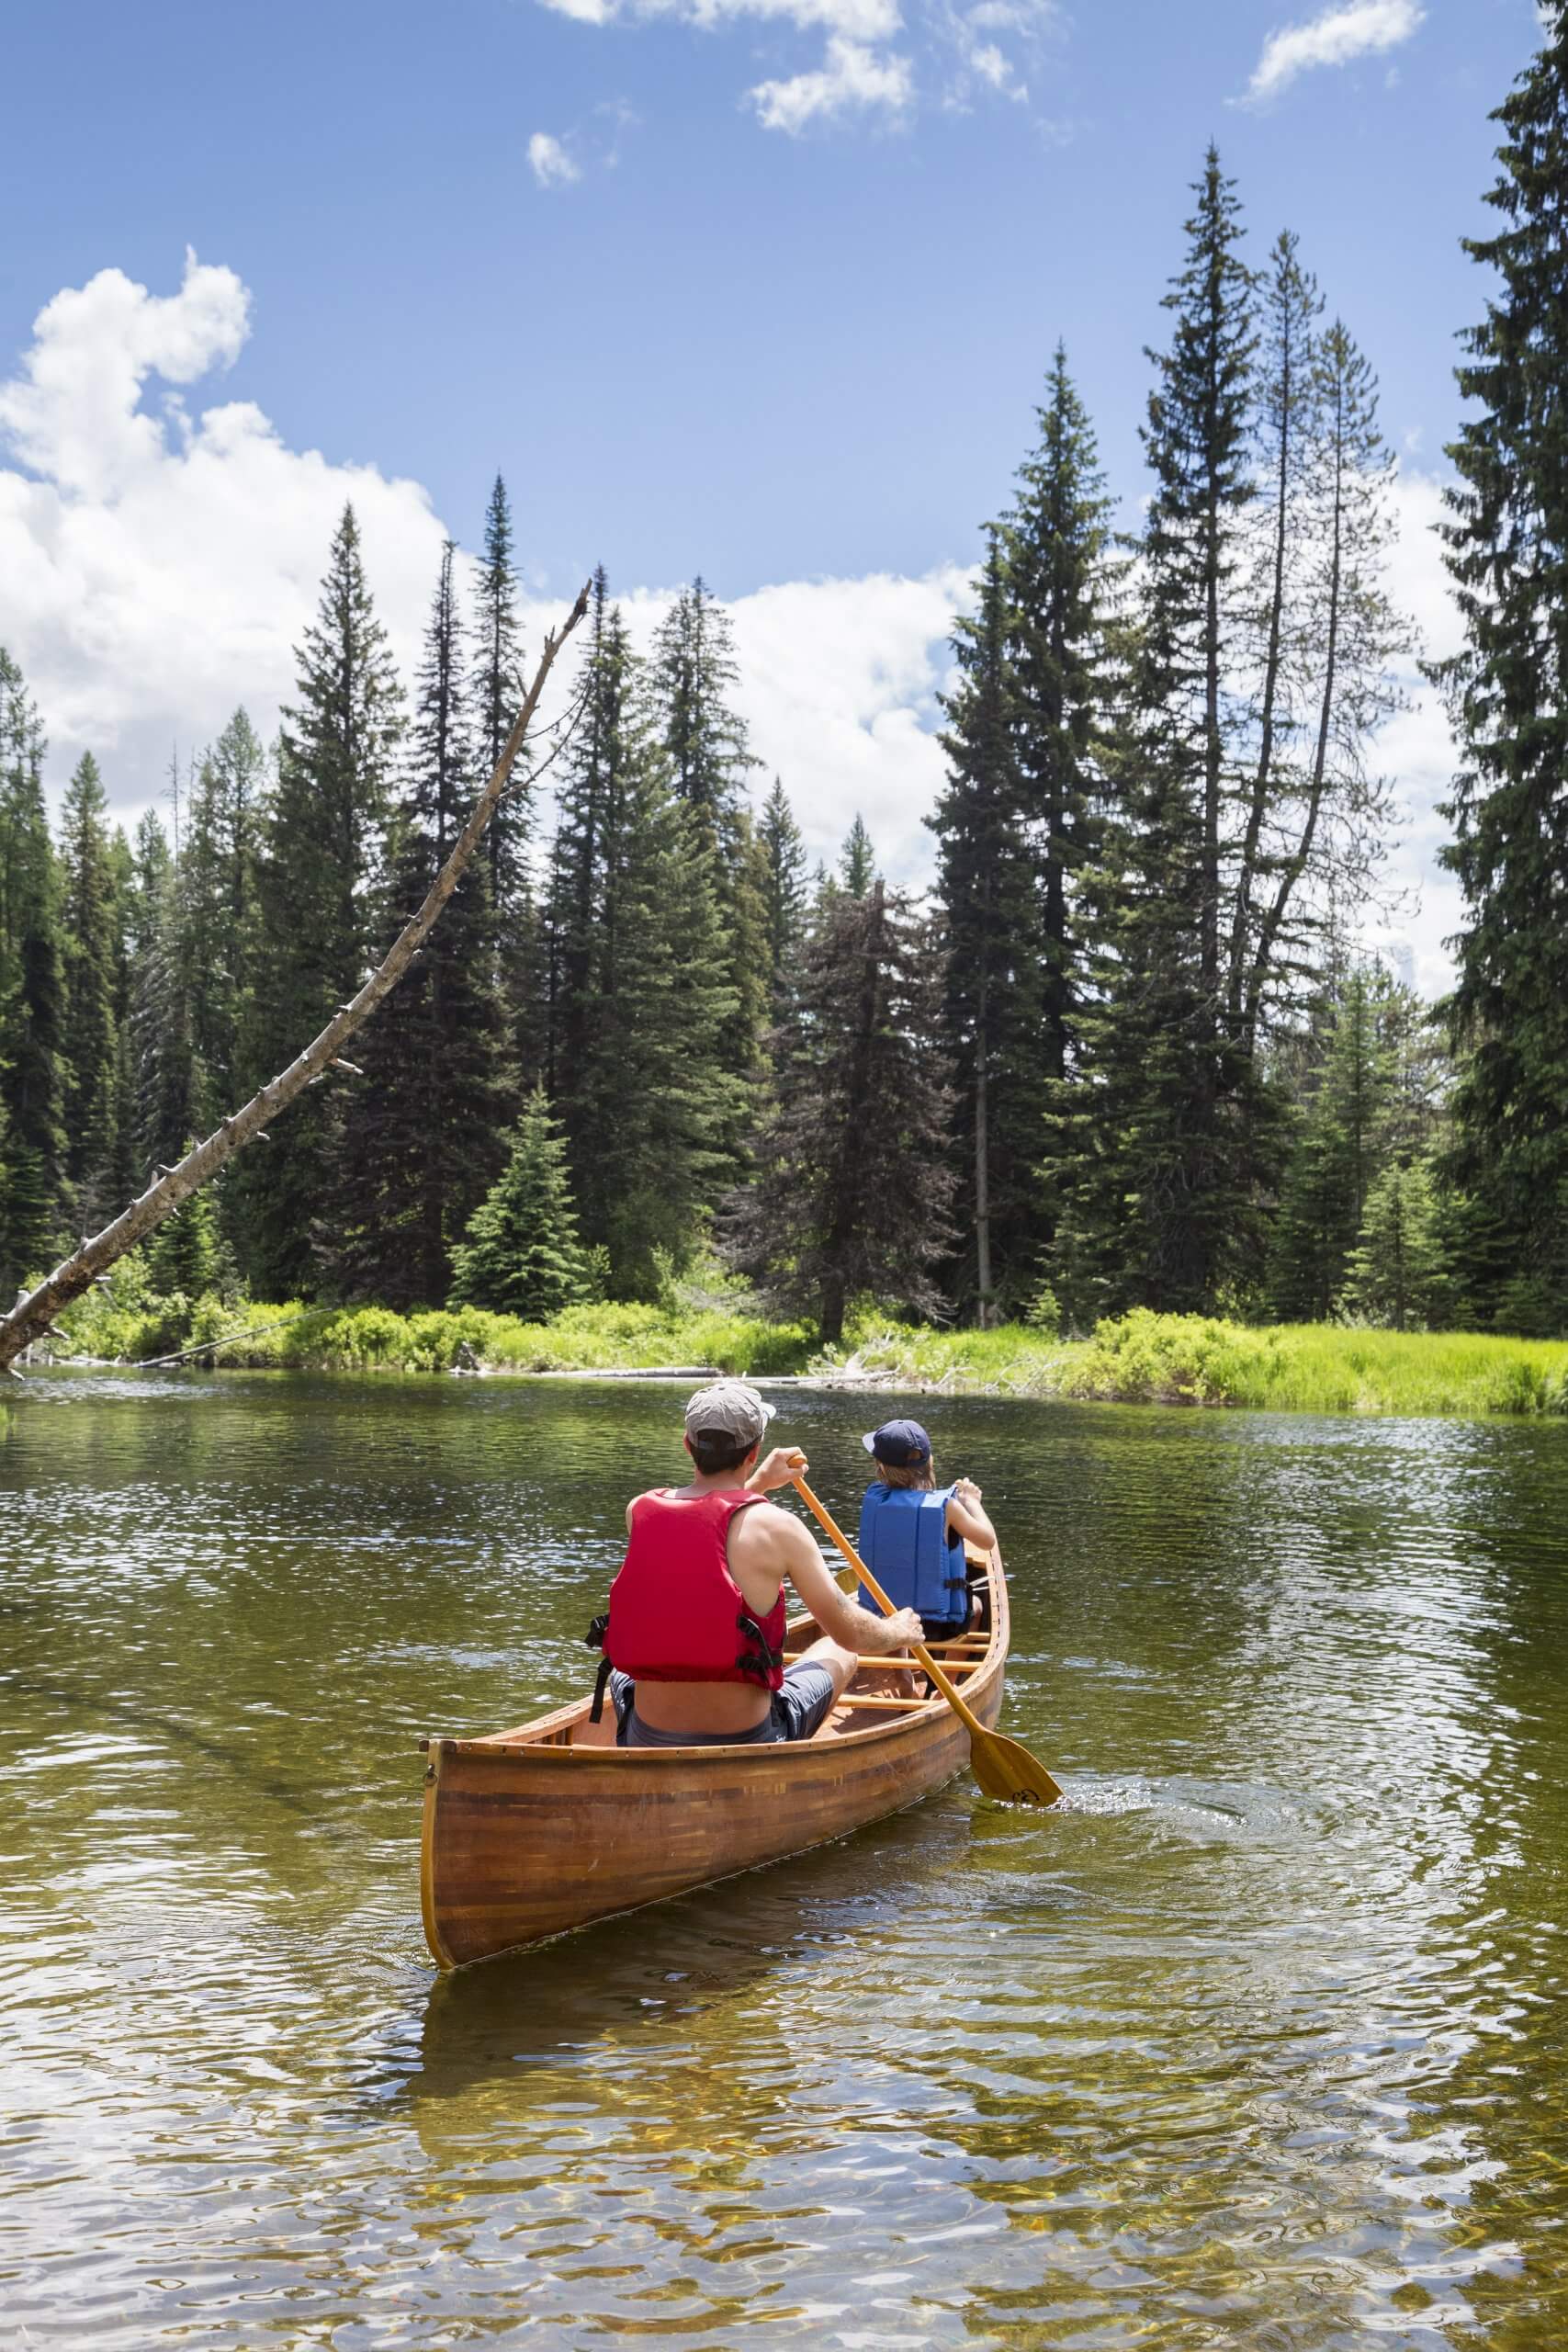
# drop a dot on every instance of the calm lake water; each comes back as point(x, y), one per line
point(1261, 2043)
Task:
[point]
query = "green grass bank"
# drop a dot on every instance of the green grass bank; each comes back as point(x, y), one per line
point(1140, 1358)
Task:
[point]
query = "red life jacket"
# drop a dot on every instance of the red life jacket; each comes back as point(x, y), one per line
point(676, 1613)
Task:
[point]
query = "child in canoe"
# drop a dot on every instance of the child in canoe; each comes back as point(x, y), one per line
point(912, 1531)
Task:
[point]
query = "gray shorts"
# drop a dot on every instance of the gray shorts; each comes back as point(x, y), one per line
point(797, 1711)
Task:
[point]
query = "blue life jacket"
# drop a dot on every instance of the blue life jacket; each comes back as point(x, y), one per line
point(904, 1542)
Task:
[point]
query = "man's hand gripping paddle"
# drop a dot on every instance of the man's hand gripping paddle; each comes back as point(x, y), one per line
point(1004, 1768)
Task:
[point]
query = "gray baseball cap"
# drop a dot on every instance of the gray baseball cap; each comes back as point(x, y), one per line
point(730, 1406)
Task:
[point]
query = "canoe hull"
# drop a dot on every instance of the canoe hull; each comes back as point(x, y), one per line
point(528, 1835)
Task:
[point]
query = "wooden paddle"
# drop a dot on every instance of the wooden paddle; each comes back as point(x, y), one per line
point(1004, 1768)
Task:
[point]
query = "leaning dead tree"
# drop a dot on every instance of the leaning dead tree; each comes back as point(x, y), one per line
point(32, 1316)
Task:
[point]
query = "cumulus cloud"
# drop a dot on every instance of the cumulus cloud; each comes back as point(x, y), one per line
point(552, 166)
point(853, 80)
point(1365, 28)
point(157, 567)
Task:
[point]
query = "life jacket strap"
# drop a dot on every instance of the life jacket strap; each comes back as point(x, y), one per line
point(759, 1658)
point(598, 1633)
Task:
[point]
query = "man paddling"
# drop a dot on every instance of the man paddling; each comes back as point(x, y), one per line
point(696, 1633)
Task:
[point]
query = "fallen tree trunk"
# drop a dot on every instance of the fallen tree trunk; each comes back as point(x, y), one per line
point(32, 1317)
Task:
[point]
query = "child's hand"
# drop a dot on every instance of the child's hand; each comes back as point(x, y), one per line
point(967, 1490)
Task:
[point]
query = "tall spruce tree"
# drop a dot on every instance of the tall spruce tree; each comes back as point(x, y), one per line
point(642, 1005)
point(783, 855)
point(421, 1138)
point(1161, 1135)
point(335, 756)
point(1198, 444)
point(162, 1050)
point(854, 1186)
point(90, 1039)
point(496, 693)
point(987, 884)
point(1507, 553)
point(694, 677)
point(1059, 589)
point(218, 912)
point(32, 999)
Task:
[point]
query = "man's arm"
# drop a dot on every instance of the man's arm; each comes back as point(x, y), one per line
point(835, 1612)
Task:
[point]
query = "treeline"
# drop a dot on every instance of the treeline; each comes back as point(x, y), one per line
point(1123, 1053)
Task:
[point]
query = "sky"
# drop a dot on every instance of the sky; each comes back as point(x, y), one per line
point(763, 290)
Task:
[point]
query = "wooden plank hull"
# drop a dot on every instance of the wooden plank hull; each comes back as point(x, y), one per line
point(530, 1833)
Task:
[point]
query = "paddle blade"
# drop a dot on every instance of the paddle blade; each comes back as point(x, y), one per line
point(1006, 1769)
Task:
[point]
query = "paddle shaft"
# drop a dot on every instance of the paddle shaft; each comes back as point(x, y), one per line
point(948, 1692)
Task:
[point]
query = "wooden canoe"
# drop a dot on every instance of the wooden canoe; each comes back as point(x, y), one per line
point(530, 1832)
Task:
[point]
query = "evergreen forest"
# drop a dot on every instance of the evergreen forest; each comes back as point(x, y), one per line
point(1122, 1050)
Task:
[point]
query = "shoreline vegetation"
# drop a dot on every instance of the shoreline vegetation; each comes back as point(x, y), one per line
point(1139, 1358)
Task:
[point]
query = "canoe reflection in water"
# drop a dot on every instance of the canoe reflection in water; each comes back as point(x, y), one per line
point(533, 1831)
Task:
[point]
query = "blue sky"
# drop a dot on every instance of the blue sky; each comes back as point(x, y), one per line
point(762, 288)
point(725, 347)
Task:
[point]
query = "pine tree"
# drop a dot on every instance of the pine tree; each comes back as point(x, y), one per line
point(1507, 553)
point(218, 915)
point(1341, 1146)
point(335, 756)
point(588, 801)
point(642, 1005)
point(32, 1003)
point(1197, 441)
point(91, 925)
point(853, 1186)
point(1056, 595)
point(497, 695)
point(857, 861)
point(497, 690)
point(1167, 1133)
point(1397, 1273)
point(1323, 809)
point(693, 680)
point(1290, 305)
point(988, 886)
point(420, 1141)
point(163, 1059)
point(186, 1254)
point(522, 1255)
point(784, 854)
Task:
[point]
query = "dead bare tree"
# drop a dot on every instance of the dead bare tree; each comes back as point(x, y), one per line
point(33, 1316)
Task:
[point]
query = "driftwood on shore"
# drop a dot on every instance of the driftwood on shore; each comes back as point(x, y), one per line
point(33, 1316)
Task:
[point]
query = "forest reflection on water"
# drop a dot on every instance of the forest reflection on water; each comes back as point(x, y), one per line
point(1258, 2042)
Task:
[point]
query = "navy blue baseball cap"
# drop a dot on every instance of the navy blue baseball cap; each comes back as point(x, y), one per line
point(901, 1444)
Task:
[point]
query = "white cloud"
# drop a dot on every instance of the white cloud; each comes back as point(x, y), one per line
point(860, 73)
point(853, 79)
point(154, 572)
point(552, 166)
point(1365, 28)
point(861, 20)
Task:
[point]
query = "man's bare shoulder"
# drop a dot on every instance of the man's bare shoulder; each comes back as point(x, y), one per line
point(764, 1527)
